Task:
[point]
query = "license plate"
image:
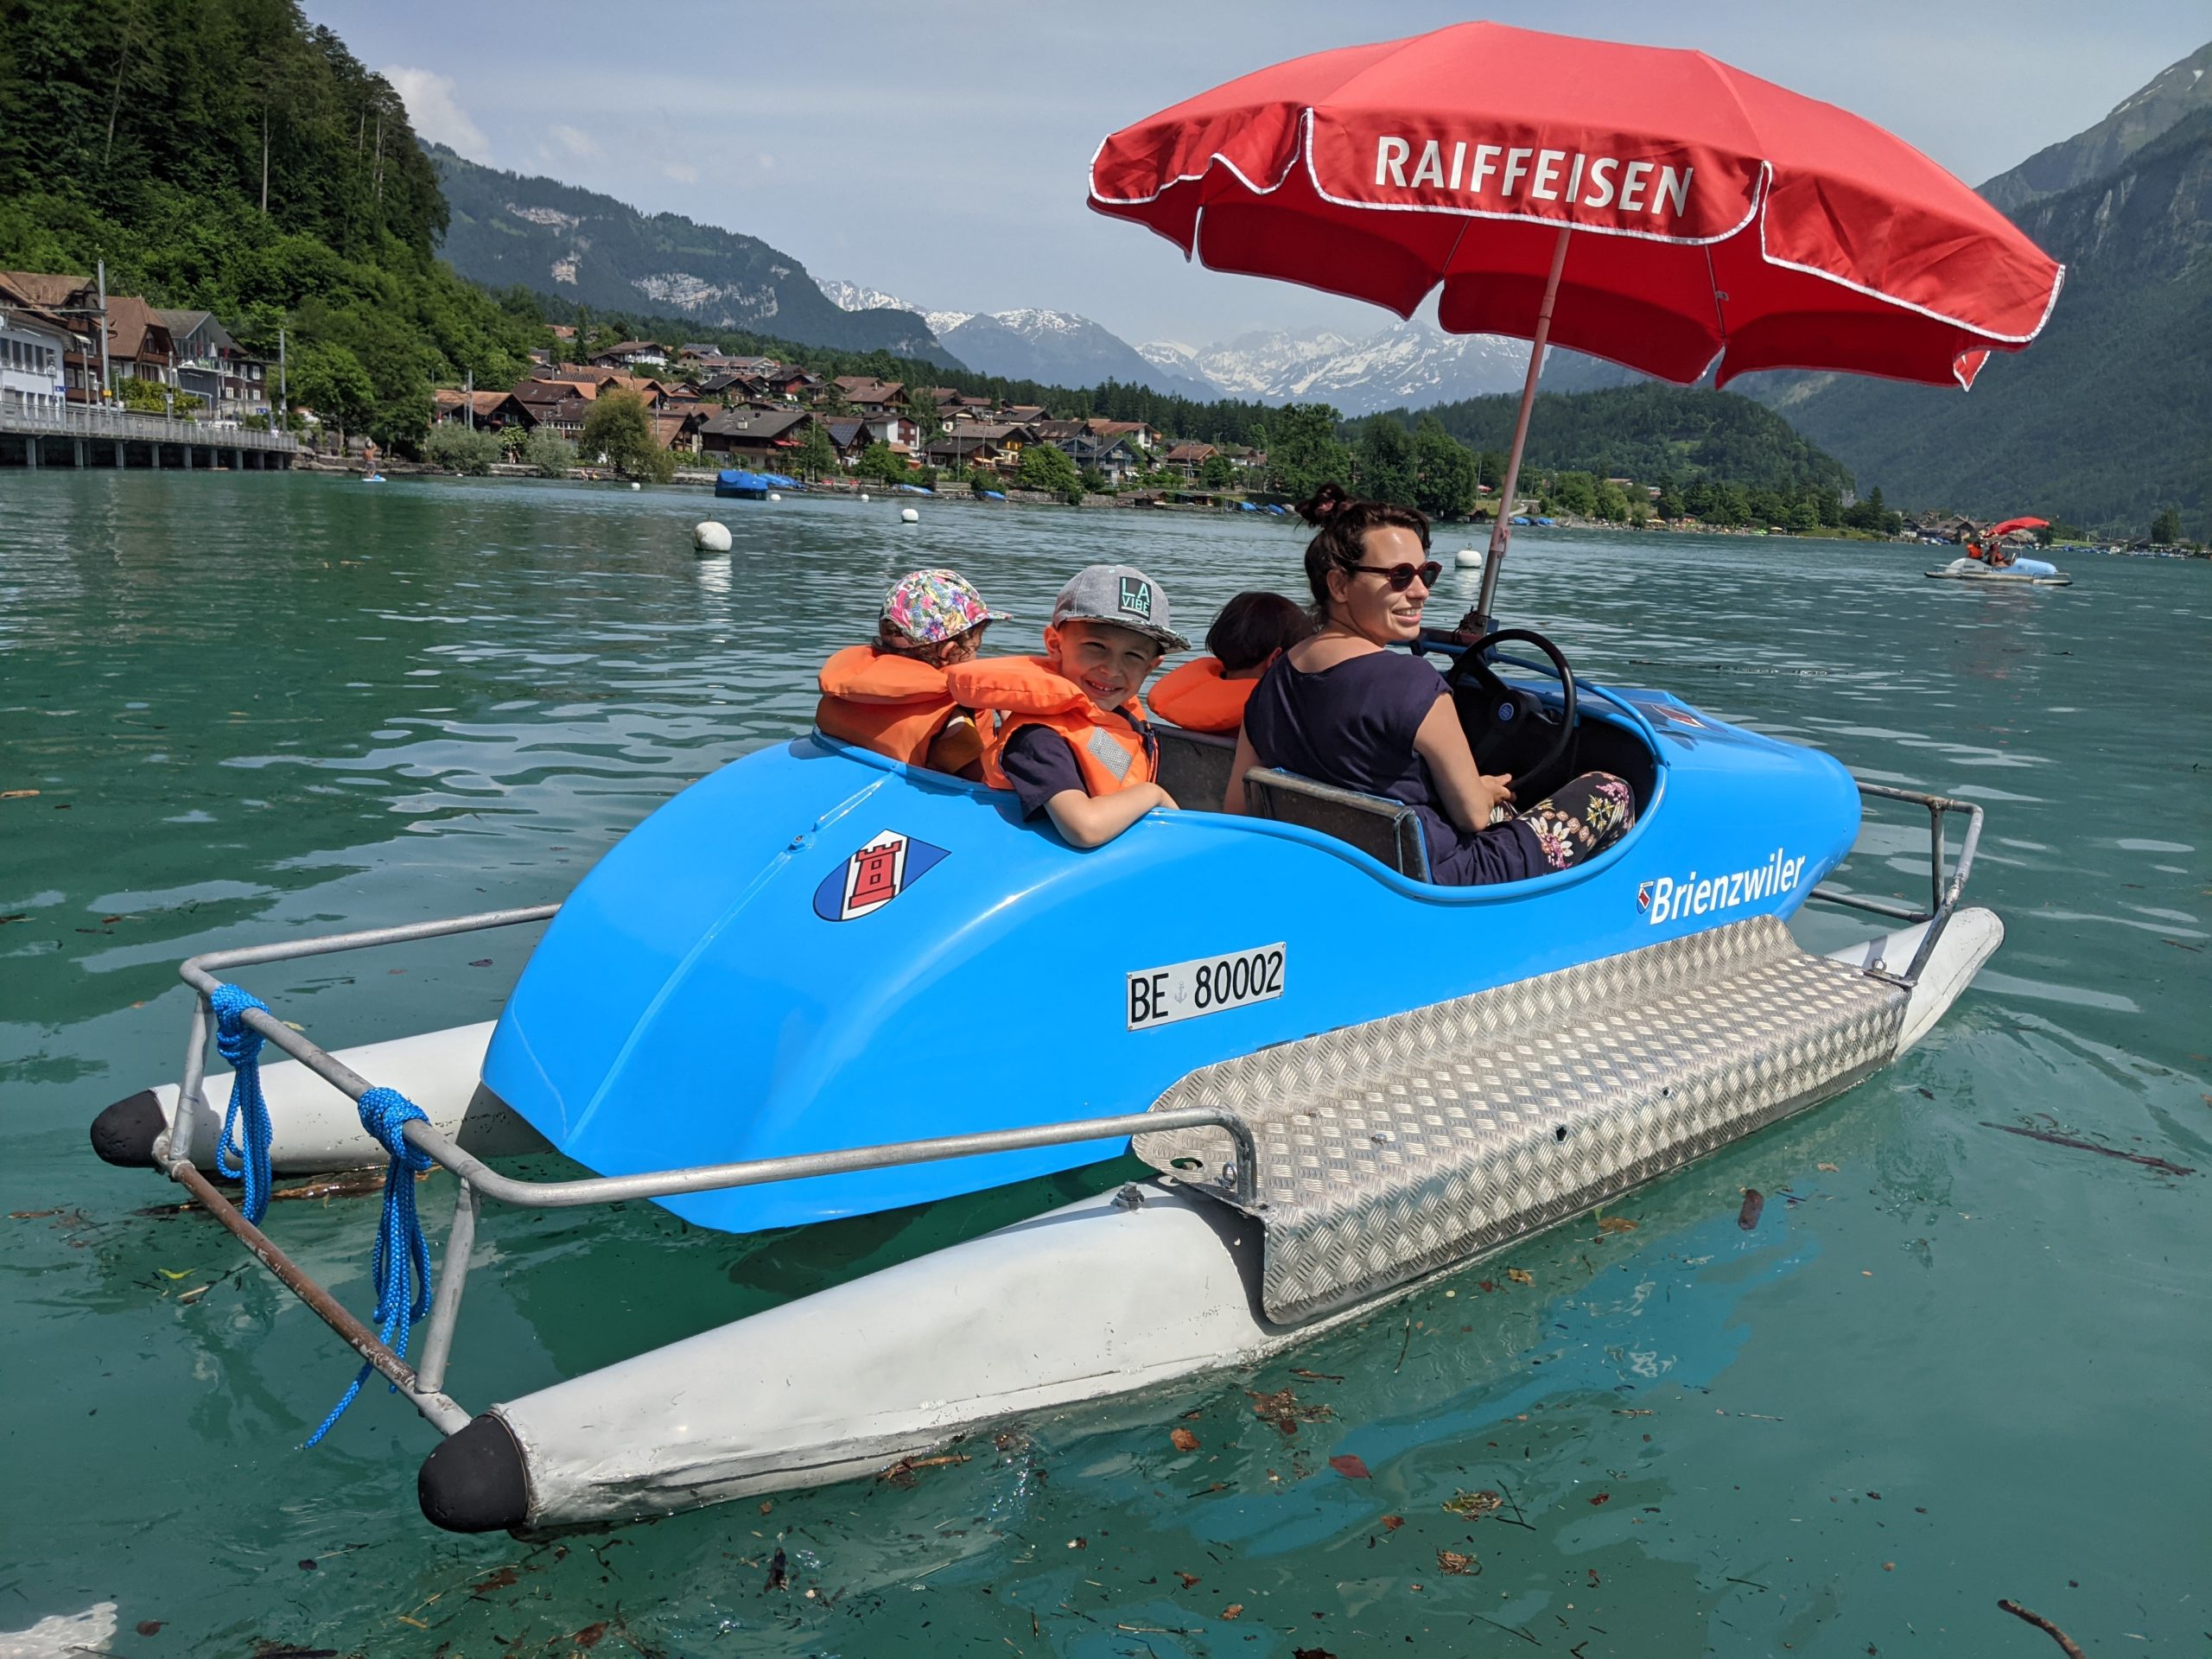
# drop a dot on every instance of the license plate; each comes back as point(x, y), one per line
point(1184, 990)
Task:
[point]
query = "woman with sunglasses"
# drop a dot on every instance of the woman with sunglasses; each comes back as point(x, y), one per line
point(1342, 708)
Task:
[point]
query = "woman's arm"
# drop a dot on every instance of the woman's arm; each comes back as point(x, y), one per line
point(1089, 821)
point(1469, 795)
point(1246, 758)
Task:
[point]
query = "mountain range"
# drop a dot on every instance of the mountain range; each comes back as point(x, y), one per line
point(558, 239)
point(2106, 417)
point(2175, 91)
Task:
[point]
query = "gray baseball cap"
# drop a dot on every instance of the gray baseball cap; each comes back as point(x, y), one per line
point(1121, 595)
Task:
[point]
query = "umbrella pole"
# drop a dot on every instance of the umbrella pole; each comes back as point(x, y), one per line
point(1501, 529)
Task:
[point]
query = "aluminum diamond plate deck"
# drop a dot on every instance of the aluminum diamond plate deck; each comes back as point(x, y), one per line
point(1390, 1149)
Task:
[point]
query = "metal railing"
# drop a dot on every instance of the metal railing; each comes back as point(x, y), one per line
point(423, 1384)
point(1945, 887)
point(98, 421)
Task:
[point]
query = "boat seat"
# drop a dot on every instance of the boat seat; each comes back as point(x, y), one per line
point(1194, 766)
point(1387, 830)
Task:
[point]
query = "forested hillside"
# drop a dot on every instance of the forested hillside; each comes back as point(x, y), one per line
point(225, 154)
point(1651, 432)
point(2104, 420)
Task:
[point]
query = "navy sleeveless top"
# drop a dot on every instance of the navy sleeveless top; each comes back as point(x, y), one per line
point(1352, 726)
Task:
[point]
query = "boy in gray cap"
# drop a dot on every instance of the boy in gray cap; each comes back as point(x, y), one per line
point(1073, 742)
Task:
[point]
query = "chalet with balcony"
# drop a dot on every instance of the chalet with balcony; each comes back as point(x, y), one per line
point(765, 436)
point(233, 382)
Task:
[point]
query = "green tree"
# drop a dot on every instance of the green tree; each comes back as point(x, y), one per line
point(1571, 492)
point(1217, 472)
point(513, 440)
point(549, 454)
point(1045, 467)
point(1386, 465)
point(330, 380)
point(454, 448)
point(1445, 472)
point(1804, 514)
point(1095, 482)
point(1612, 502)
point(620, 429)
point(880, 462)
point(1304, 451)
point(818, 455)
point(1668, 503)
point(2165, 528)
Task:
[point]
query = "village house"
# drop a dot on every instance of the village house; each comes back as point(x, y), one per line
point(678, 430)
point(761, 437)
point(557, 406)
point(996, 444)
point(1115, 457)
point(212, 367)
point(34, 344)
point(629, 352)
point(791, 385)
point(138, 342)
point(491, 412)
point(1141, 433)
point(1023, 414)
point(897, 430)
point(849, 435)
point(869, 396)
point(1189, 458)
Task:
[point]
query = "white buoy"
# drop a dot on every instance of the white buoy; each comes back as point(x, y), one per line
point(908, 516)
point(711, 537)
point(772, 496)
point(635, 484)
point(1468, 558)
point(863, 495)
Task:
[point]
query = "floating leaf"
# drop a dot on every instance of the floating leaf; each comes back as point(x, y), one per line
point(1191, 1580)
point(166, 1274)
point(1183, 1440)
point(1615, 1224)
point(1602, 1497)
point(589, 1636)
point(1473, 1505)
point(1520, 1277)
point(1451, 1561)
point(1754, 1205)
point(1830, 1168)
point(16, 794)
point(1392, 1522)
point(1283, 1410)
point(1349, 1466)
point(150, 1627)
point(1234, 1610)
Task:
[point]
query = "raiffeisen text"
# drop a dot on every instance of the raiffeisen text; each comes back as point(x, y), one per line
point(1502, 173)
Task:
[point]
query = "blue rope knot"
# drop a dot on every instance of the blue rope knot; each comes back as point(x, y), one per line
point(240, 1044)
point(401, 1265)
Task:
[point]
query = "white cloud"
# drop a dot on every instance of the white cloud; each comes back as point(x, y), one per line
point(436, 111)
point(682, 171)
point(576, 142)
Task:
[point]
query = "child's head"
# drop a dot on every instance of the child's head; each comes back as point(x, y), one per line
point(934, 616)
point(1109, 631)
point(1253, 626)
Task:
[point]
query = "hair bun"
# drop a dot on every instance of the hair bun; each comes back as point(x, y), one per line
point(1325, 504)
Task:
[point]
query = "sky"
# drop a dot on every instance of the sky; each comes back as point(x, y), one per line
point(941, 152)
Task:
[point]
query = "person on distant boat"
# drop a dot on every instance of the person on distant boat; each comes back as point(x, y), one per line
point(1208, 694)
point(1072, 740)
point(1343, 708)
point(891, 697)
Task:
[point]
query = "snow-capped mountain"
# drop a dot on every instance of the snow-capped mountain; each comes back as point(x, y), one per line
point(1057, 347)
point(1404, 366)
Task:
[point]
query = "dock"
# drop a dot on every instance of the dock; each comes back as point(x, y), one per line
point(76, 435)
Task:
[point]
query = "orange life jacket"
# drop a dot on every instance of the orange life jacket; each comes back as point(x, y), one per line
point(1199, 698)
point(1026, 691)
point(878, 699)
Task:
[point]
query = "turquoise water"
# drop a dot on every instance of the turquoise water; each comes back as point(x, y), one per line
point(1949, 1364)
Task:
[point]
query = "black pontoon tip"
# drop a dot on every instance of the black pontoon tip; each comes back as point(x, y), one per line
point(474, 1481)
point(124, 1134)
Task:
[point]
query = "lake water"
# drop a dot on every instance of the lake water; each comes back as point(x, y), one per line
point(1949, 1365)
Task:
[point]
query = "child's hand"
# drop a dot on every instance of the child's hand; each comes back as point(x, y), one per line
point(1165, 799)
point(1493, 791)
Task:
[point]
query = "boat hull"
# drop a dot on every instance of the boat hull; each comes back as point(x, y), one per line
point(903, 1361)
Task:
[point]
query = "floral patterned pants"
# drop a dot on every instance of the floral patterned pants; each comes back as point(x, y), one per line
point(1581, 818)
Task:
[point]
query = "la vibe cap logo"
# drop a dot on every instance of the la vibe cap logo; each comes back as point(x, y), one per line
point(883, 868)
point(1136, 597)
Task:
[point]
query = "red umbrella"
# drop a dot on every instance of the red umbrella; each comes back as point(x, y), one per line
point(1997, 532)
point(1650, 205)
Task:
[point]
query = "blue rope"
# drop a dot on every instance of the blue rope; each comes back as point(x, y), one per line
point(401, 1263)
point(240, 1044)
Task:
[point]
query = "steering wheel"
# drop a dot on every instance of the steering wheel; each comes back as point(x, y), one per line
point(1511, 729)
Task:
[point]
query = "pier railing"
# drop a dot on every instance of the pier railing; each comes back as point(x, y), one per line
point(96, 421)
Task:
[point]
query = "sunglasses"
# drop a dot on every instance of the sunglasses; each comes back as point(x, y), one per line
point(1402, 577)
